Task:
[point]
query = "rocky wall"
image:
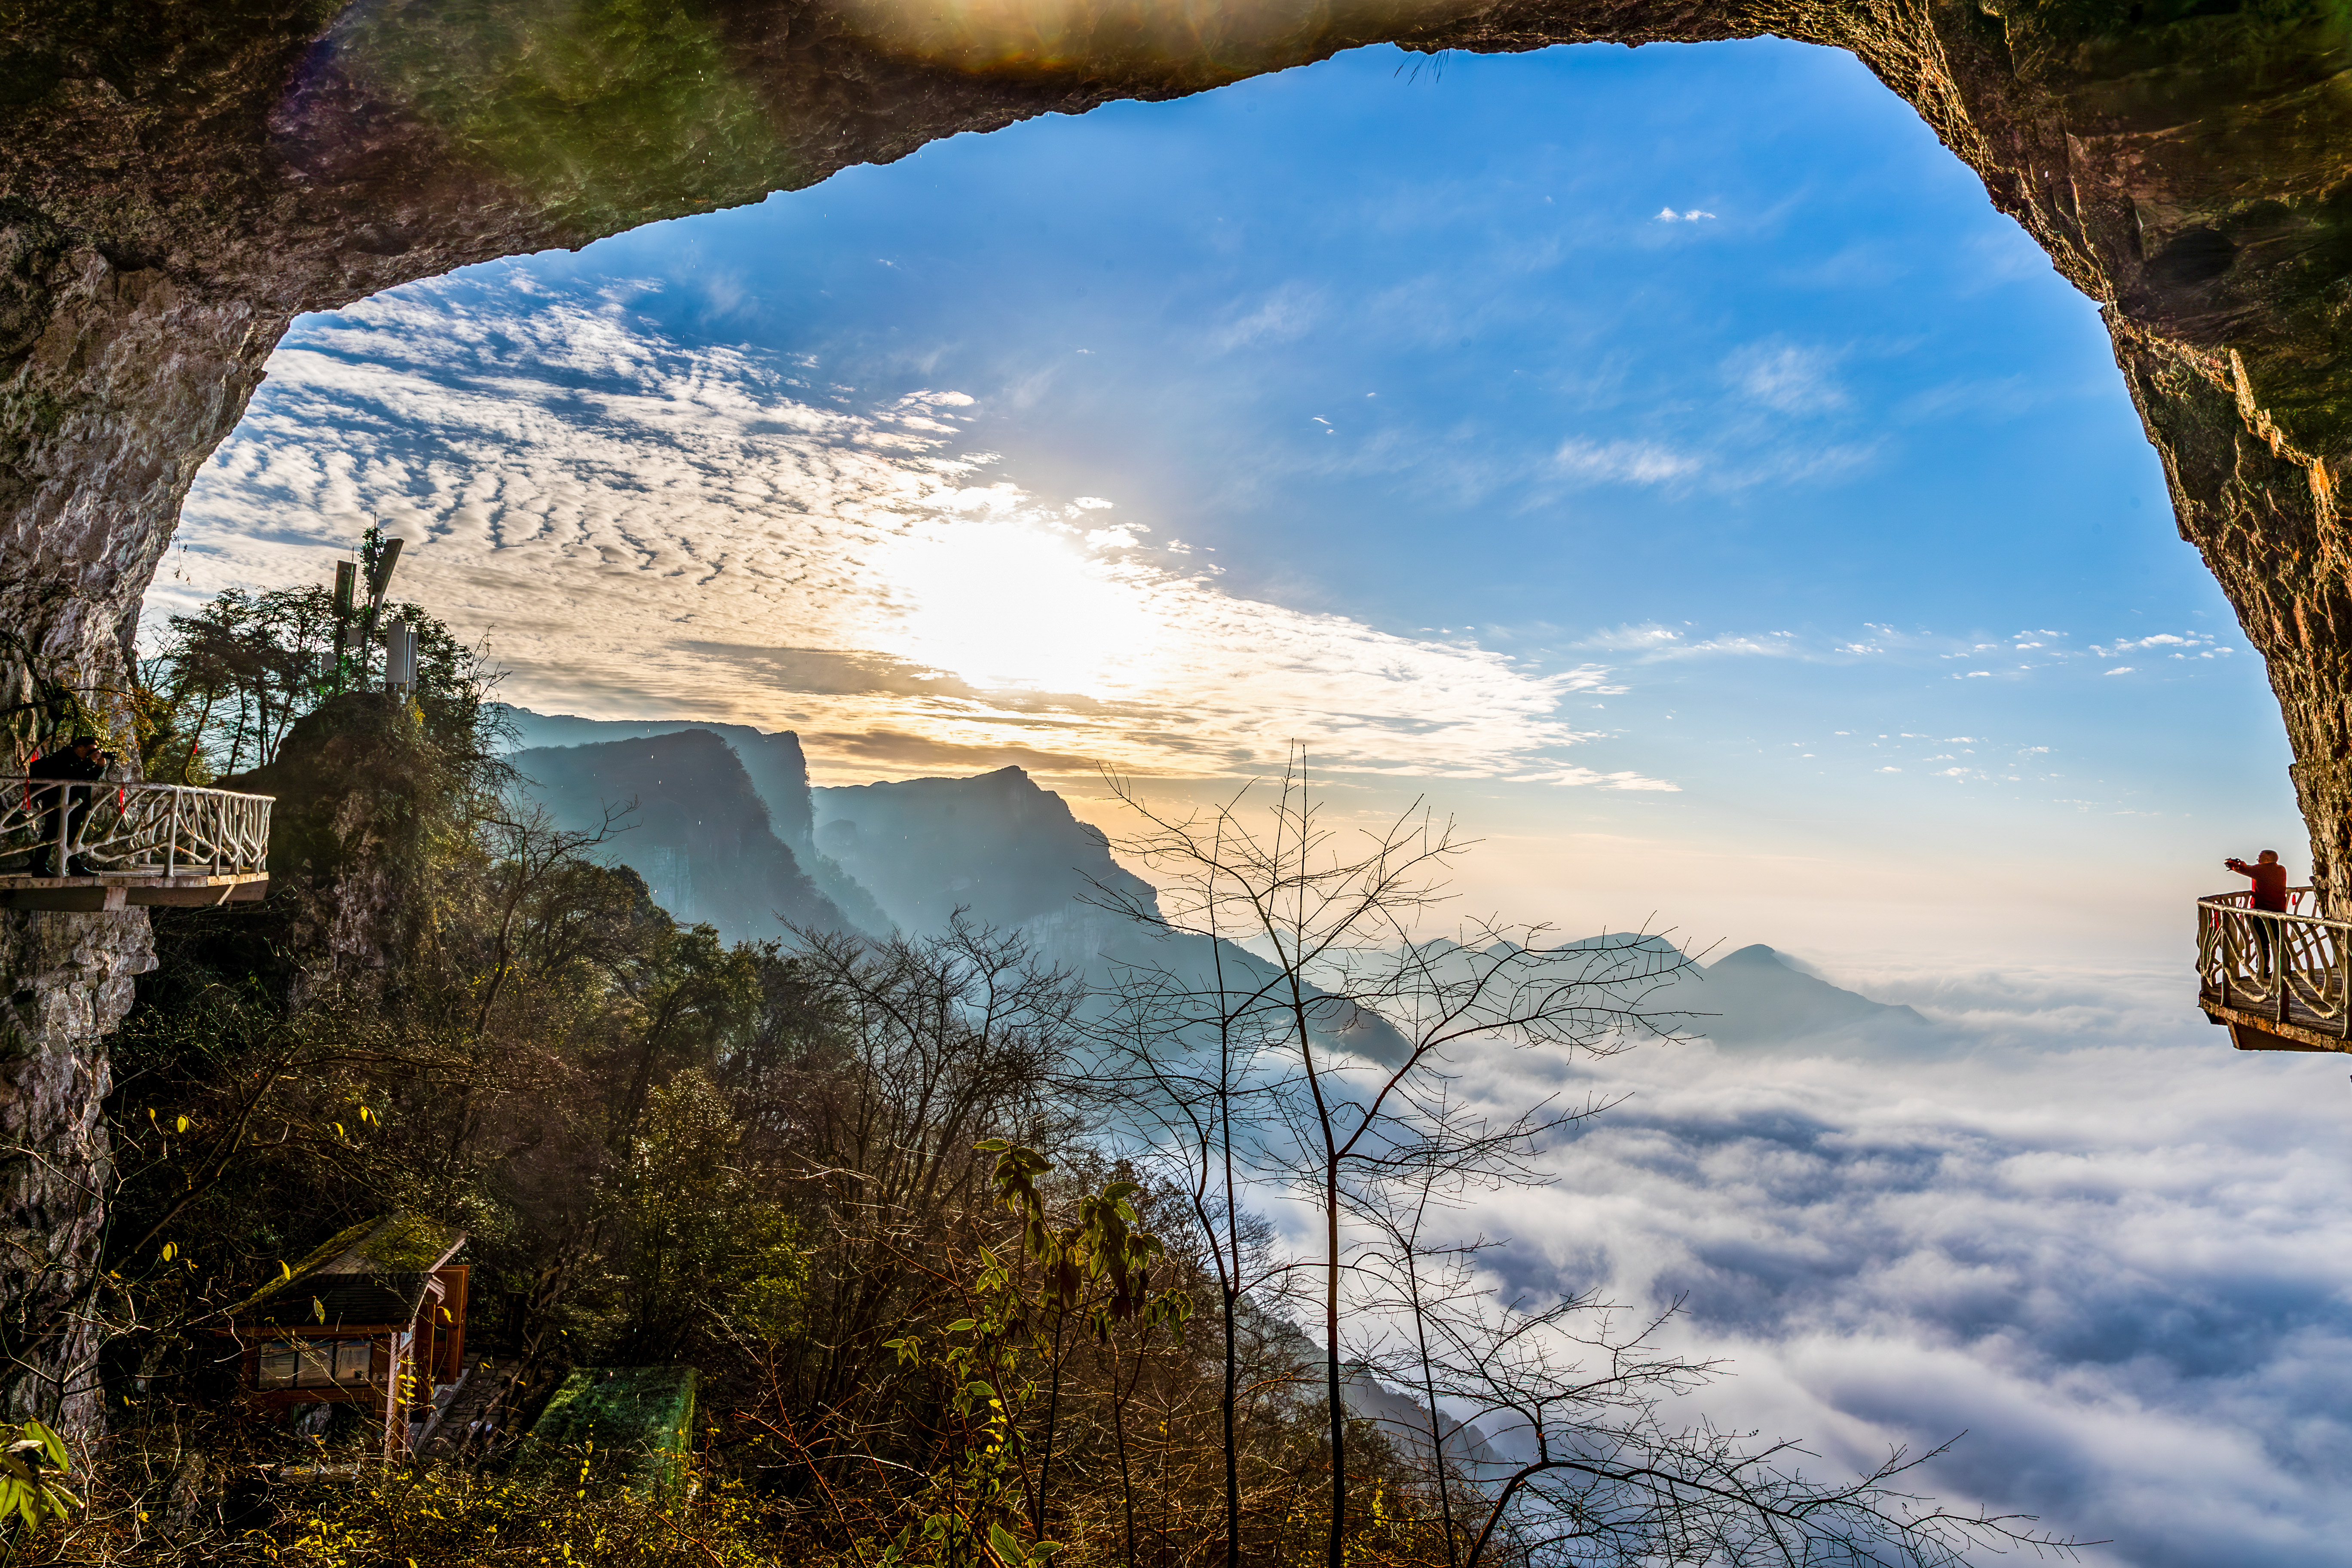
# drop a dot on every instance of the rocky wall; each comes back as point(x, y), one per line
point(69, 979)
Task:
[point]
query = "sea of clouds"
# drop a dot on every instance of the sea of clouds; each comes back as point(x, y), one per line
point(2068, 1220)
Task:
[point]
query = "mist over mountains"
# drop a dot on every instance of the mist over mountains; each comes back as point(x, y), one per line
point(2041, 1208)
point(722, 823)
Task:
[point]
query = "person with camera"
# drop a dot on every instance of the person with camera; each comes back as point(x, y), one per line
point(2270, 894)
point(66, 808)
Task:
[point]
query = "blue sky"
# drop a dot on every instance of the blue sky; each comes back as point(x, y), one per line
point(1665, 460)
point(1698, 381)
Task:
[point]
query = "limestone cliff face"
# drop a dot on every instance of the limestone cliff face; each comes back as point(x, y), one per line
point(178, 178)
point(69, 979)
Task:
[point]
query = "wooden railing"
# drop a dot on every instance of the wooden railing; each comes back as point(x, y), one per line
point(130, 829)
point(2294, 968)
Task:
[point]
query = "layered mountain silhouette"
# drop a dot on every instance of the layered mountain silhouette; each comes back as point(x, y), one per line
point(770, 762)
point(1756, 997)
point(726, 829)
point(997, 845)
point(690, 823)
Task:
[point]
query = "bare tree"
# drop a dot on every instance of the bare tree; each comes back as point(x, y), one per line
point(1612, 1484)
point(1368, 1015)
point(1193, 1062)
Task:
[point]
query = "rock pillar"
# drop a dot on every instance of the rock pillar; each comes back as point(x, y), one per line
point(69, 979)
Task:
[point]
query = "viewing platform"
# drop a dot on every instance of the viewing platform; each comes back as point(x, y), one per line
point(2288, 993)
point(121, 846)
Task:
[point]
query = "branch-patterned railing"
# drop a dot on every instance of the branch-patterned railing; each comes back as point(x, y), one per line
point(2294, 967)
point(132, 829)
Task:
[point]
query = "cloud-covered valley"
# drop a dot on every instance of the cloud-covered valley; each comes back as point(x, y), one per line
point(2077, 1227)
point(642, 526)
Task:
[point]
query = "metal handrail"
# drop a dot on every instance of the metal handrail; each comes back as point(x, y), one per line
point(132, 829)
point(2290, 966)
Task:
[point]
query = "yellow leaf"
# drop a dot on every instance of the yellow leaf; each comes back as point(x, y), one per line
point(170, 1250)
point(183, 1124)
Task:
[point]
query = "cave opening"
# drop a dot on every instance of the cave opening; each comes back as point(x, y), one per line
point(1725, 474)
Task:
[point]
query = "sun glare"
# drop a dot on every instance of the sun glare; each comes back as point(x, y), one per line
point(1019, 603)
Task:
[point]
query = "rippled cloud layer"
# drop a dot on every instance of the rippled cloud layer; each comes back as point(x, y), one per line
point(645, 527)
point(2062, 1220)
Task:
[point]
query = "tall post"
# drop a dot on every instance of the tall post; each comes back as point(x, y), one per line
point(400, 661)
point(384, 554)
point(346, 590)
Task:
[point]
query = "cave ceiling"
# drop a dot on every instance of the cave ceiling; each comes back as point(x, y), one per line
point(178, 180)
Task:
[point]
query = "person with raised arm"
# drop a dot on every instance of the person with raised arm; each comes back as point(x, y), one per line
point(2270, 896)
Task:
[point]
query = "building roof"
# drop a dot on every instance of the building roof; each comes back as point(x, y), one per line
point(332, 1302)
point(360, 1276)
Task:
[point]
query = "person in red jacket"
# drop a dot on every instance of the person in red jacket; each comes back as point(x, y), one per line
point(2270, 894)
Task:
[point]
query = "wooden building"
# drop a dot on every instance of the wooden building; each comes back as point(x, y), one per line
point(376, 1318)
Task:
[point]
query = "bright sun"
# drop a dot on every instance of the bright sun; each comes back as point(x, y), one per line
point(1020, 603)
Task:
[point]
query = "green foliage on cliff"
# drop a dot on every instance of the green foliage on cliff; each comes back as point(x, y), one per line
point(867, 1198)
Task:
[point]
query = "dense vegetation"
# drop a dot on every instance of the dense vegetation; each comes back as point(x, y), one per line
point(967, 1253)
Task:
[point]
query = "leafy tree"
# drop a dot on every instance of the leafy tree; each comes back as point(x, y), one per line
point(231, 679)
point(702, 1253)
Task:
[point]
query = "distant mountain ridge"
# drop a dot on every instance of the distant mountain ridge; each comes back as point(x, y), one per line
point(696, 829)
point(996, 845)
point(729, 830)
point(771, 762)
point(1757, 997)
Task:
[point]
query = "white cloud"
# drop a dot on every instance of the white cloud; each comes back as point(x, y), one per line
point(1288, 313)
point(2121, 670)
point(1625, 462)
point(1787, 378)
point(648, 528)
point(2108, 1247)
point(2121, 645)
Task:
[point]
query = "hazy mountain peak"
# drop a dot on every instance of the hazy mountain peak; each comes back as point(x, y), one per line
point(1755, 997)
point(697, 830)
point(996, 843)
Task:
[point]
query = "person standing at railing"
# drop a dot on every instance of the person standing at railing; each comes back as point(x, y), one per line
point(68, 808)
point(2270, 894)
